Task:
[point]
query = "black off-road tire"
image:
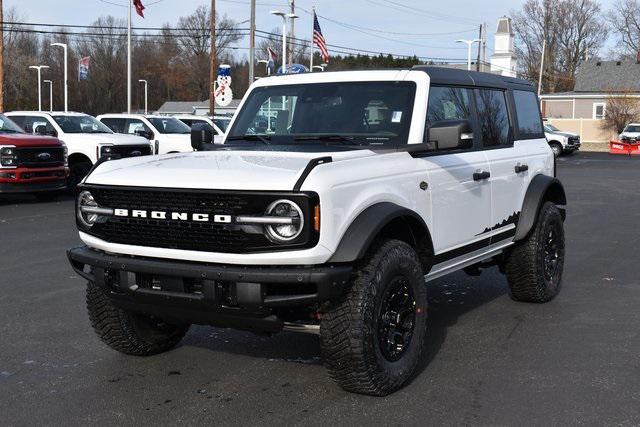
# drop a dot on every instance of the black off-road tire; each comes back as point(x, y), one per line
point(557, 149)
point(526, 264)
point(127, 332)
point(77, 172)
point(350, 326)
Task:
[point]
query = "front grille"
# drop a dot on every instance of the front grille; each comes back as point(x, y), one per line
point(190, 235)
point(131, 150)
point(45, 157)
point(574, 140)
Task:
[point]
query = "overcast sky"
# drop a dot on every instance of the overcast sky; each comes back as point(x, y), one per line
point(383, 25)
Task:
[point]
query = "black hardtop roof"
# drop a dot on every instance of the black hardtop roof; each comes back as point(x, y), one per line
point(442, 75)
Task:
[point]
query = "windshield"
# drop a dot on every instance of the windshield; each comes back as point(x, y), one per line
point(169, 125)
point(551, 128)
point(7, 126)
point(348, 113)
point(222, 123)
point(632, 128)
point(81, 124)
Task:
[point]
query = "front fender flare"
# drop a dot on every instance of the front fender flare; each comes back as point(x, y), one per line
point(541, 188)
point(365, 227)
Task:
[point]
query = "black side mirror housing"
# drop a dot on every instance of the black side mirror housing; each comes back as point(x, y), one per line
point(451, 135)
point(201, 135)
point(41, 130)
point(144, 133)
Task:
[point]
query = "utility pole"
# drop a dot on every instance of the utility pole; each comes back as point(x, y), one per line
point(129, 61)
point(480, 36)
point(1, 58)
point(66, 81)
point(484, 43)
point(292, 4)
point(544, 47)
point(252, 42)
point(212, 65)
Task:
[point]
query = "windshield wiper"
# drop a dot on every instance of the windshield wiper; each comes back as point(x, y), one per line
point(330, 138)
point(264, 139)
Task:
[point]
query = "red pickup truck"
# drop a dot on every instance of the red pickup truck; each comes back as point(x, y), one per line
point(29, 163)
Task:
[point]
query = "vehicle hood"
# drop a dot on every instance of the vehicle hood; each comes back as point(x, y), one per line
point(565, 134)
point(223, 170)
point(630, 134)
point(106, 138)
point(27, 140)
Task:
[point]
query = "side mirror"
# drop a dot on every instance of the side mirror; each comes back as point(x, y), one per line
point(144, 133)
point(451, 135)
point(41, 130)
point(201, 135)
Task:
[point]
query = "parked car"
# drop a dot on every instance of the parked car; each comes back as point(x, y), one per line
point(168, 134)
point(328, 224)
point(222, 122)
point(31, 163)
point(191, 119)
point(561, 142)
point(85, 137)
point(630, 131)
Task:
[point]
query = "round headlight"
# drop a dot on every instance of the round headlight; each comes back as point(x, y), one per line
point(288, 231)
point(85, 199)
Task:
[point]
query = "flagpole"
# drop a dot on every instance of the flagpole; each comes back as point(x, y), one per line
point(313, 17)
point(129, 61)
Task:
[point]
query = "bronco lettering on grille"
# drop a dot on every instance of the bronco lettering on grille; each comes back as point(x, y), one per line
point(175, 216)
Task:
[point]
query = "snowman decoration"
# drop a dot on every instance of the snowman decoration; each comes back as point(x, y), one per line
point(223, 92)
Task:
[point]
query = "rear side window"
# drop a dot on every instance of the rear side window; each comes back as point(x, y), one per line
point(116, 125)
point(528, 114)
point(493, 117)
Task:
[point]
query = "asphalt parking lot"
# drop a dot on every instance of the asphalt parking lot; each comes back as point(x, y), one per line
point(489, 360)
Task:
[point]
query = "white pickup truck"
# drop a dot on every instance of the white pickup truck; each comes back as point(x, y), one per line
point(168, 135)
point(86, 138)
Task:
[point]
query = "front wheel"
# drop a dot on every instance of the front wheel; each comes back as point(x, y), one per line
point(534, 267)
point(372, 337)
point(77, 172)
point(557, 149)
point(128, 332)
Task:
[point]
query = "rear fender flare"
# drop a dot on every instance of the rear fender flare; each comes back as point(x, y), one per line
point(542, 188)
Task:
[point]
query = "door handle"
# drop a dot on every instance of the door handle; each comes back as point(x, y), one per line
point(481, 175)
point(521, 168)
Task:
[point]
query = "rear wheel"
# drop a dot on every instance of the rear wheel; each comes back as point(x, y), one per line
point(128, 332)
point(534, 267)
point(77, 171)
point(372, 337)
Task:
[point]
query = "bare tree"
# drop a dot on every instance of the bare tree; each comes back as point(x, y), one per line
point(624, 18)
point(622, 109)
point(570, 30)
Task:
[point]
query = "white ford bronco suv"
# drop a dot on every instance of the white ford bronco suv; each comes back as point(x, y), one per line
point(370, 184)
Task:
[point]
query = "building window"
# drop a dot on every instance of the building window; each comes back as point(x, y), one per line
point(599, 110)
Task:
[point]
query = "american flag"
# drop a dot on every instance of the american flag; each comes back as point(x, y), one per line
point(318, 39)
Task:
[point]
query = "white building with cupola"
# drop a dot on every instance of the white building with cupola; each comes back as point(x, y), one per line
point(503, 60)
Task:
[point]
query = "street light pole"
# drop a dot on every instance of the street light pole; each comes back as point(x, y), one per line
point(469, 43)
point(146, 95)
point(66, 80)
point(39, 68)
point(284, 17)
point(50, 95)
point(252, 42)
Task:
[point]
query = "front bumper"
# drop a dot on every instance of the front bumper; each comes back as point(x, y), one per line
point(32, 180)
point(32, 187)
point(242, 297)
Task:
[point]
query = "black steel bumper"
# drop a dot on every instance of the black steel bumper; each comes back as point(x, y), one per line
point(211, 294)
point(32, 187)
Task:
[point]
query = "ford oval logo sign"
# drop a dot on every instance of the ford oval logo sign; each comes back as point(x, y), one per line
point(43, 157)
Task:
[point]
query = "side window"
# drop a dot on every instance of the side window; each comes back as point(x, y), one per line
point(187, 122)
point(448, 103)
point(19, 120)
point(528, 114)
point(493, 117)
point(115, 124)
point(134, 125)
point(31, 123)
